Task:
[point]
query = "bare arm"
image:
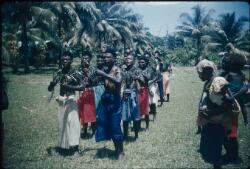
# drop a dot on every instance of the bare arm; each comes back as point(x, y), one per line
point(117, 78)
point(54, 82)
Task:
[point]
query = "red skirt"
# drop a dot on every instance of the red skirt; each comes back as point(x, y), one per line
point(143, 99)
point(234, 129)
point(86, 107)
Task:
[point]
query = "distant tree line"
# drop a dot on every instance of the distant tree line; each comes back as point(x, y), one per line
point(35, 33)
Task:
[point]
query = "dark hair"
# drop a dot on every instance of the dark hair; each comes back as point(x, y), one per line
point(208, 70)
point(68, 53)
point(144, 58)
point(99, 56)
point(112, 51)
point(87, 53)
point(158, 52)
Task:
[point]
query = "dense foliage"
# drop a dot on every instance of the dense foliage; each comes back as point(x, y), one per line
point(35, 33)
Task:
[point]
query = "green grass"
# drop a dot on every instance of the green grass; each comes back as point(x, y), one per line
point(31, 127)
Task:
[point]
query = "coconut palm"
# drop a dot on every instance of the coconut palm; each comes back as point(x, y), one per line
point(108, 22)
point(118, 22)
point(228, 30)
point(18, 13)
point(88, 16)
point(174, 41)
point(29, 24)
point(195, 26)
point(66, 19)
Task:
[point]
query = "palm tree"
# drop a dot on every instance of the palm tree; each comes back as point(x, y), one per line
point(28, 23)
point(228, 30)
point(109, 22)
point(66, 19)
point(195, 26)
point(88, 16)
point(174, 41)
point(18, 13)
point(119, 23)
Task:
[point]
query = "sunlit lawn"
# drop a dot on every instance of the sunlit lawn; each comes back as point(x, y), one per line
point(31, 127)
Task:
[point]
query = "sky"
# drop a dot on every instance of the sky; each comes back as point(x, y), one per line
point(161, 16)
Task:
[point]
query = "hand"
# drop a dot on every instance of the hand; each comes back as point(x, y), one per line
point(100, 72)
point(139, 78)
point(135, 77)
point(51, 86)
point(202, 111)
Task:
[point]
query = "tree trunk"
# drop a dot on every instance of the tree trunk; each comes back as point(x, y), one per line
point(59, 24)
point(198, 54)
point(25, 40)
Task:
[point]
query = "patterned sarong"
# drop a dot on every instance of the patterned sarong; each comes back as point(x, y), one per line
point(130, 109)
point(109, 118)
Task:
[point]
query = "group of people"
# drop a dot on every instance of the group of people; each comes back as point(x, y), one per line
point(110, 97)
point(222, 101)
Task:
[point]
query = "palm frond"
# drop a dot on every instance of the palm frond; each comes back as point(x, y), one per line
point(186, 17)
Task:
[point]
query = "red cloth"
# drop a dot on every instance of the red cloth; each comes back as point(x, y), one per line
point(234, 132)
point(86, 107)
point(143, 99)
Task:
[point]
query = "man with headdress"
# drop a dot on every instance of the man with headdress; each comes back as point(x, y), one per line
point(69, 124)
point(153, 85)
point(130, 110)
point(159, 67)
point(109, 111)
point(143, 93)
point(86, 101)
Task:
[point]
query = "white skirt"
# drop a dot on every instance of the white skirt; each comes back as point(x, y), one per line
point(153, 94)
point(69, 123)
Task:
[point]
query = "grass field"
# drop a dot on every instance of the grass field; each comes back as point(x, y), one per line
point(31, 127)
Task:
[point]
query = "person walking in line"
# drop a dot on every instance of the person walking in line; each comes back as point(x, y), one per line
point(109, 111)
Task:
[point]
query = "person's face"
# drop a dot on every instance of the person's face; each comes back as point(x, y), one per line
point(142, 64)
point(66, 61)
point(129, 60)
point(99, 62)
point(108, 58)
point(85, 60)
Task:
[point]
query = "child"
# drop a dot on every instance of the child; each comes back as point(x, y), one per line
point(232, 65)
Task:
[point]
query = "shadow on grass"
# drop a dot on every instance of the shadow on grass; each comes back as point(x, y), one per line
point(105, 153)
point(130, 139)
point(86, 136)
point(57, 151)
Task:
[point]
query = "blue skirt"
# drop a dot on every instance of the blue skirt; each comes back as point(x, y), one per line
point(130, 109)
point(212, 136)
point(109, 118)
